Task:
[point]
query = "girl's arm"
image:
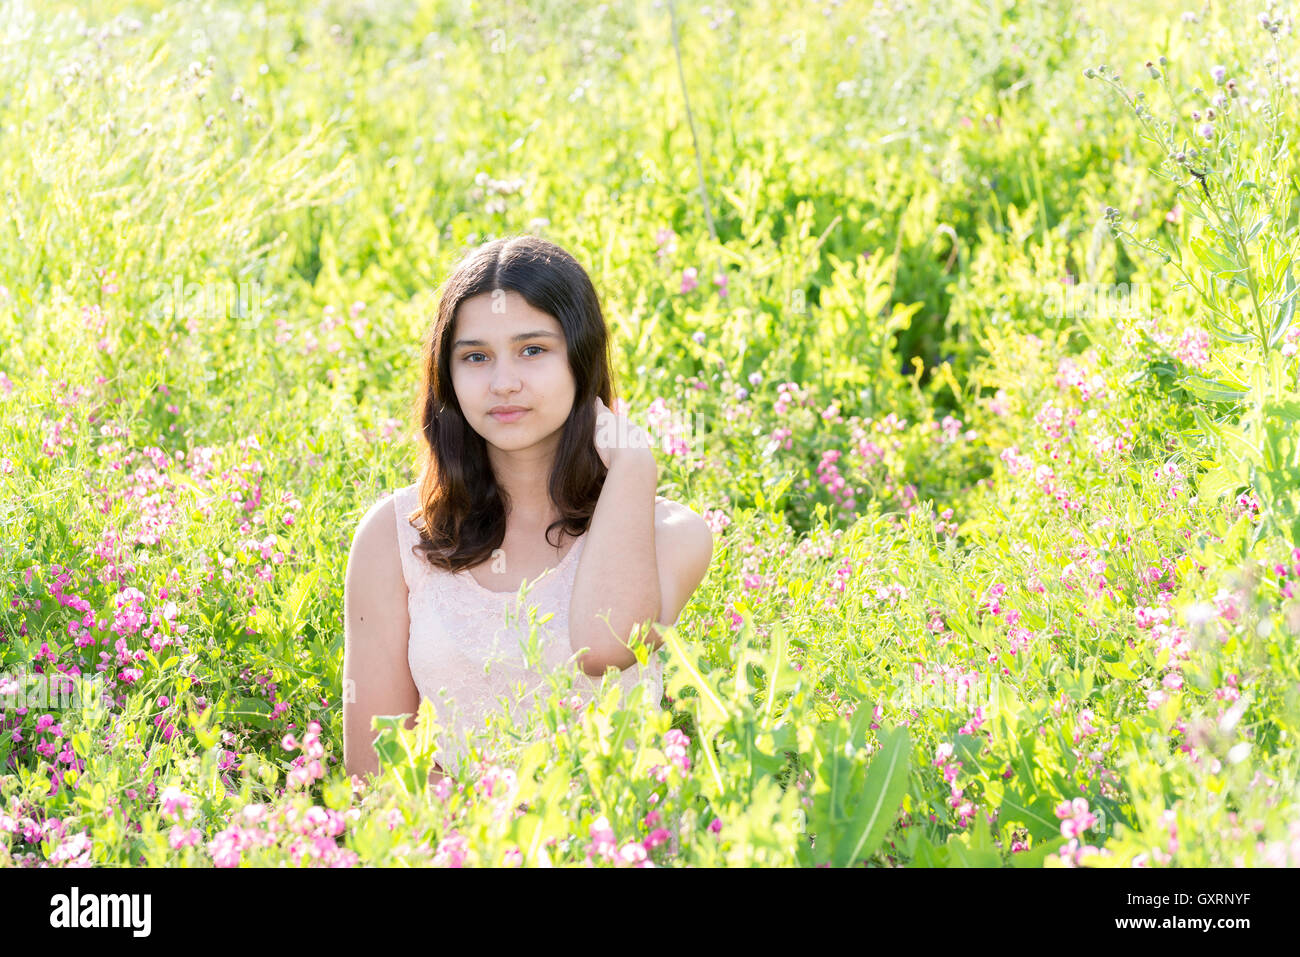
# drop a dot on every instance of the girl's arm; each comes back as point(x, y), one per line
point(617, 573)
point(376, 631)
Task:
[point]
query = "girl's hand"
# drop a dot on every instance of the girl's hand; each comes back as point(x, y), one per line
point(617, 437)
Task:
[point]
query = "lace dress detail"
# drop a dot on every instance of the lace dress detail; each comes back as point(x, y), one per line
point(466, 647)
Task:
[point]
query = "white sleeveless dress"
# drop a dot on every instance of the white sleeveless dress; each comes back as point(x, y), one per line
point(459, 631)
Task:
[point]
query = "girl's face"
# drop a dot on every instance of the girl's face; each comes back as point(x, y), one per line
point(507, 355)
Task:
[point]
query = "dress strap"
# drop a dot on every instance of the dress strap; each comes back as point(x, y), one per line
point(414, 569)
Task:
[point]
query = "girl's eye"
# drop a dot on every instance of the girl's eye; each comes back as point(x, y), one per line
point(469, 357)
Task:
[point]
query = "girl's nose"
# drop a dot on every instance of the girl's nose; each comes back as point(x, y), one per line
point(504, 378)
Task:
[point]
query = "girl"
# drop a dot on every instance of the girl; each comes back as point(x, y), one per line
point(529, 479)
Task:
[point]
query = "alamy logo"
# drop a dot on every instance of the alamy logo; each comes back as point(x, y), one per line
point(102, 910)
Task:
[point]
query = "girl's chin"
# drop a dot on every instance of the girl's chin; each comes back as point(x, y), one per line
point(510, 439)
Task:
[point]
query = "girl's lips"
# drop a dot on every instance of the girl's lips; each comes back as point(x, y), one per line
point(508, 416)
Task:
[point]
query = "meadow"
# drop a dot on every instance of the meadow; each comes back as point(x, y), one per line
point(969, 328)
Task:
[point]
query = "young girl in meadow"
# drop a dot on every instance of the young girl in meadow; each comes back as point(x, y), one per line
point(528, 476)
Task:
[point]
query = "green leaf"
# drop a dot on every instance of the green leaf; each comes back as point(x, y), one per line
point(687, 673)
point(1212, 390)
point(302, 590)
point(1288, 411)
point(1218, 481)
point(1120, 669)
point(1037, 815)
point(1235, 438)
point(1285, 312)
point(779, 675)
point(1213, 260)
point(254, 711)
point(247, 706)
point(1226, 336)
point(1209, 428)
point(199, 725)
point(887, 779)
point(966, 749)
point(407, 754)
point(975, 848)
point(833, 749)
point(927, 855)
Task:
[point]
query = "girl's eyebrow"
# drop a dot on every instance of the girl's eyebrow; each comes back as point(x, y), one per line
point(538, 334)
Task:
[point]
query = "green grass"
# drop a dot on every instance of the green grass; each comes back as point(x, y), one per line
point(896, 197)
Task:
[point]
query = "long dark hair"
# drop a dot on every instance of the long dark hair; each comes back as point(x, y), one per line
point(462, 507)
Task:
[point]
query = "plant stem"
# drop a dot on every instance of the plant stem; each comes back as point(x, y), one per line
point(690, 119)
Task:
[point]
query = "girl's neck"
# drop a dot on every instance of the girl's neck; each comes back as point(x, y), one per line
point(524, 477)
